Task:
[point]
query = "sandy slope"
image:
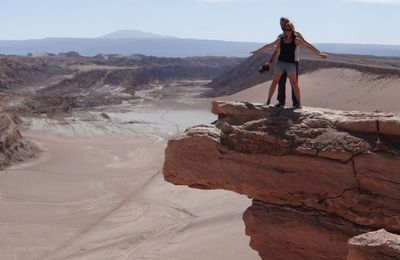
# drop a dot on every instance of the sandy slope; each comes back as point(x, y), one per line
point(337, 88)
point(104, 197)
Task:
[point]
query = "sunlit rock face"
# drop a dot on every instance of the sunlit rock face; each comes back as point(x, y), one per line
point(378, 245)
point(13, 148)
point(317, 177)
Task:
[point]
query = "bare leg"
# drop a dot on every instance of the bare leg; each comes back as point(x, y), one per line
point(272, 88)
point(295, 86)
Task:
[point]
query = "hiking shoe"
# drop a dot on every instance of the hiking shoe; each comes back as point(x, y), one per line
point(297, 105)
point(279, 104)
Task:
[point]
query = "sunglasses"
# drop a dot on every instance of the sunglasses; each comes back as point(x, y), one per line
point(287, 30)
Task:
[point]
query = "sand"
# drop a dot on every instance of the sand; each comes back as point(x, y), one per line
point(97, 192)
point(336, 88)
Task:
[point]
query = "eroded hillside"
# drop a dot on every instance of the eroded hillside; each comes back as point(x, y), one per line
point(56, 83)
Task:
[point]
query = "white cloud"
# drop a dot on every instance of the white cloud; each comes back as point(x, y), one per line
point(393, 2)
point(378, 1)
point(226, 1)
point(390, 2)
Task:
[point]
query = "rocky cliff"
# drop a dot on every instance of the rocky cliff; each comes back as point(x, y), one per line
point(13, 148)
point(317, 177)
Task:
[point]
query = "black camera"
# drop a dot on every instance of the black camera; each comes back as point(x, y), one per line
point(263, 68)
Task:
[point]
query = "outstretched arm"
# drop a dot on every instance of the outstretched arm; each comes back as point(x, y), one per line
point(308, 46)
point(266, 47)
point(306, 42)
point(274, 56)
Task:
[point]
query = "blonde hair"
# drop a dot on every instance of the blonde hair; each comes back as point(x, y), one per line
point(291, 25)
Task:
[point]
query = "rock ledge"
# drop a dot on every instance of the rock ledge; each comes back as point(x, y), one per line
point(317, 177)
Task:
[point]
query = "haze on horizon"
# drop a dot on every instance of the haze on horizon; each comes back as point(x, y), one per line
point(320, 21)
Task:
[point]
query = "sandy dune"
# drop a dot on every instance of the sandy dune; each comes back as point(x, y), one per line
point(336, 88)
point(104, 197)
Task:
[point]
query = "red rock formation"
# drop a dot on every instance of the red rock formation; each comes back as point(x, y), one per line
point(318, 177)
point(379, 245)
point(13, 148)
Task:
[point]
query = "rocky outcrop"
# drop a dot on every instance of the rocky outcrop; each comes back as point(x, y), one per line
point(379, 245)
point(13, 148)
point(317, 177)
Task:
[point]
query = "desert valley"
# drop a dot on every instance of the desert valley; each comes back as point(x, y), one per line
point(83, 157)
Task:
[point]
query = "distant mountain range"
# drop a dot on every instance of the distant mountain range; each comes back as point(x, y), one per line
point(135, 34)
point(128, 42)
point(360, 49)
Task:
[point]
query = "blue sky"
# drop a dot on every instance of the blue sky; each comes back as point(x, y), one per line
point(320, 21)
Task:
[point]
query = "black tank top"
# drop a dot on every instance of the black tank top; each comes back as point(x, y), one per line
point(288, 50)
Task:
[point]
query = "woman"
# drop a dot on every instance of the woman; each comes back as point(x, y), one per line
point(286, 46)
